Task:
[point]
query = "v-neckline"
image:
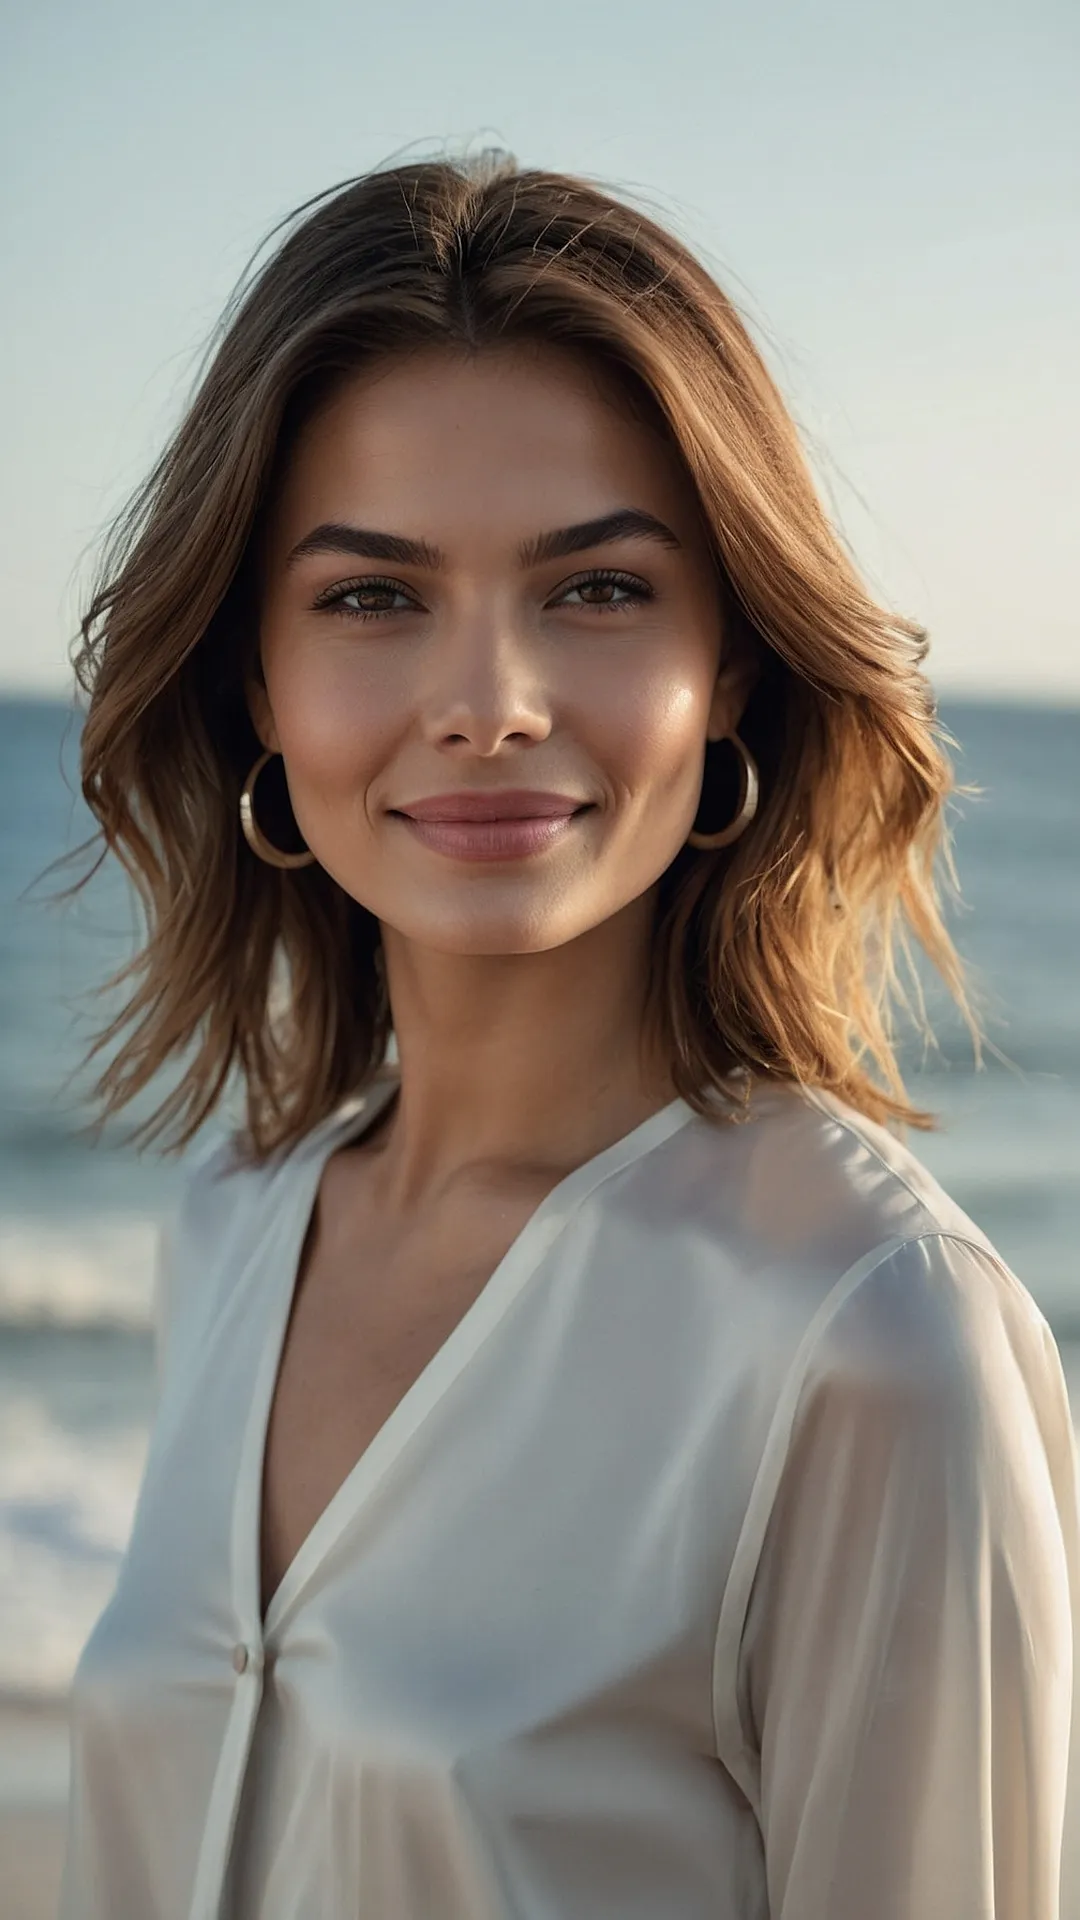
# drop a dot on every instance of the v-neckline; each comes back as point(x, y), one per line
point(480, 1318)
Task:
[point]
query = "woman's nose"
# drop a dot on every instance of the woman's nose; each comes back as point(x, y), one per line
point(483, 687)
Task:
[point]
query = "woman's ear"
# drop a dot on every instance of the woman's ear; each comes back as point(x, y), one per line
point(262, 718)
point(739, 673)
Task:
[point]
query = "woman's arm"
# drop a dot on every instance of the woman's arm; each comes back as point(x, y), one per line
point(909, 1640)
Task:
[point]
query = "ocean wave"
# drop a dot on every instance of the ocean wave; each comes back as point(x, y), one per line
point(86, 1272)
point(66, 1503)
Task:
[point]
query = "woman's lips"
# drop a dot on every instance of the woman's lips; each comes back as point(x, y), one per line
point(506, 839)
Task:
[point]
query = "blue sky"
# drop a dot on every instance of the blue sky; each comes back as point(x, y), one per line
point(890, 193)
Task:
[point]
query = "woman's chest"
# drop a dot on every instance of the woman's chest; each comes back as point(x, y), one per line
point(370, 1313)
point(544, 1517)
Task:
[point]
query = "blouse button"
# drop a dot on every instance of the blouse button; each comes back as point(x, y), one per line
point(240, 1657)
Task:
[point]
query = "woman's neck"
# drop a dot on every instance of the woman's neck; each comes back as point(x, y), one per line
point(517, 1065)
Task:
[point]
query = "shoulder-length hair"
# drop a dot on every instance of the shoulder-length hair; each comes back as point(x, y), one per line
point(777, 954)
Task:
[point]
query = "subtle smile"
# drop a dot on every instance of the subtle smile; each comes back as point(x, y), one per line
point(491, 826)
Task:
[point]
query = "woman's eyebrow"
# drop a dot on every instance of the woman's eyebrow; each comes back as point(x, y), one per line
point(365, 543)
point(626, 523)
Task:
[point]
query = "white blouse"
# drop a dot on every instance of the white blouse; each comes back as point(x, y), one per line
point(723, 1563)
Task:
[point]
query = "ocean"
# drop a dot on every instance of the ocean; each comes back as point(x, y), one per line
point(78, 1222)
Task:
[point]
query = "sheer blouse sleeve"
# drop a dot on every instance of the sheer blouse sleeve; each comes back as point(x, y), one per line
point(907, 1653)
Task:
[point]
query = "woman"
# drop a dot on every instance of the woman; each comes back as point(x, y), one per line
point(597, 1469)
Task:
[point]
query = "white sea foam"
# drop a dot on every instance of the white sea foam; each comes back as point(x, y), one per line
point(66, 1504)
point(93, 1271)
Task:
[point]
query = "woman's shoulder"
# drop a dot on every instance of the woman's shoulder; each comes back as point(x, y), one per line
point(815, 1217)
point(804, 1173)
point(903, 1359)
point(227, 1200)
point(222, 1182)
point(223, 1175)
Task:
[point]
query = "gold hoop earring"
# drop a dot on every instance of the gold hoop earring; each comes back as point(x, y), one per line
point(255, 838)
point(748, 801)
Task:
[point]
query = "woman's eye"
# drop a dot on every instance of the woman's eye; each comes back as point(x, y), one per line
point(608, 590)
point(373, 597)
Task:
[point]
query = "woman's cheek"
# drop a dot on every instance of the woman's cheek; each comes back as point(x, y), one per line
point(659, 725)
point(333, 731)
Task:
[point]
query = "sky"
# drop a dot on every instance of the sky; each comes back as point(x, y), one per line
point(891, 194)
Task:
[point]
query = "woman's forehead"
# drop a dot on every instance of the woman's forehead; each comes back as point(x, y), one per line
point(513, 431)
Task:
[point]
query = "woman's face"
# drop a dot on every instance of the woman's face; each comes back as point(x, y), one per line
point(483, 576)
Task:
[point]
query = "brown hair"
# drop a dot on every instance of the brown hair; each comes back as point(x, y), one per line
point(779, 953)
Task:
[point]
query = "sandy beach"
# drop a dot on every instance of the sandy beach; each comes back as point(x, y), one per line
point(33, 1787)
point(31, 1854)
